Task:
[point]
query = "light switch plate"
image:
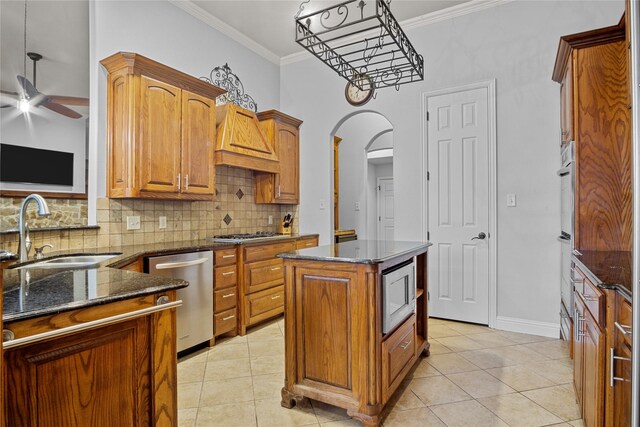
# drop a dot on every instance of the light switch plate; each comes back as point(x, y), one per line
point(357, 206)
point(322, 203)
point(163, 222)
point(133, 222)
point(270, 219)
point(511, 200)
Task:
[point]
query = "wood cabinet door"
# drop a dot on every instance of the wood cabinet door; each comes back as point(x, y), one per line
point(159, 136)
point(287, 182)
point(593, 366)
point(198, 144)
point(622, 387)
point(578, 348)
point(71, 381)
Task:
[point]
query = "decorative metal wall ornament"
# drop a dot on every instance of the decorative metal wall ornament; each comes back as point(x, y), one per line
point(336, 36)
point(224, 78)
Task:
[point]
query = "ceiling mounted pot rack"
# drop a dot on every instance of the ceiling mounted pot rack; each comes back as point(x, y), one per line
point(362, 42)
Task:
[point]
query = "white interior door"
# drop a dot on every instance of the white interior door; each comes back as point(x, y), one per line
point(458, 205)
point(385, 209)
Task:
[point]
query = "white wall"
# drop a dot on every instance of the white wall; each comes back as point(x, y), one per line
point(516, 44)
point(381, 142)
point(356, 133)
point(167, 34)
point(47, 130)
point(375, 171)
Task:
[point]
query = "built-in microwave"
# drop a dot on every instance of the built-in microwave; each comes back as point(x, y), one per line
point(398, 294)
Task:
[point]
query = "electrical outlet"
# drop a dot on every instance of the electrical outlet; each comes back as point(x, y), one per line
point(133, 223)
point(322, 203)
point(511, 200)
point(357, 206)
point(270, 219)
point(163, 222)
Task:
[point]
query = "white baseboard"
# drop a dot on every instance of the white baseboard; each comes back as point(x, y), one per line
point(524, 326)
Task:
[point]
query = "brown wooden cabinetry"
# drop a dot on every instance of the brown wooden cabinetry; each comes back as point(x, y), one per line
point(619, 364)
point(121, 374)
point(283, 133)
point(160, 131)
point(307, 242)
point(225, 293)
point(592, 70)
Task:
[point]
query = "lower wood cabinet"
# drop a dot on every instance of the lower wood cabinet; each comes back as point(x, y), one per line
point(264, 305)
point(398, 356)
point(122, 374)
point(225, 293)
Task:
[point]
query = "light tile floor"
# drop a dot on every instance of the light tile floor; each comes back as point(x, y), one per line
point(475, 376)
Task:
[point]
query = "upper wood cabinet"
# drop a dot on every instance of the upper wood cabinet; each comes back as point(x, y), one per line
point(283, 133)
point(160, 131)
point(592, 70)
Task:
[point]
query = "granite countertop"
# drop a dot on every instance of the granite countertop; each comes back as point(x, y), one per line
point(358, 251)
point(608, 269)
point(35, 292)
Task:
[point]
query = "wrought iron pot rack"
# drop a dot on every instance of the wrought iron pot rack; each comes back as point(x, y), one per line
point(353, 42)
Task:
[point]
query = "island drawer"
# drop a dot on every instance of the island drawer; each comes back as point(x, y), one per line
point(263, 275)
point(398, 355)
point(224, 277)
point(224, 321)
point(225, 257)
point(224, 299)
point(257, 253)
point(265, 304)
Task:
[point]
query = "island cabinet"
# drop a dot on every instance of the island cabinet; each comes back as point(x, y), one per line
point(335, 348)
point(225, 292)
point(104, 365)
point(283, 133)
point(161, 131)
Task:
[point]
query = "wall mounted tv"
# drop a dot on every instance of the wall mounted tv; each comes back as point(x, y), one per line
point(35, 165)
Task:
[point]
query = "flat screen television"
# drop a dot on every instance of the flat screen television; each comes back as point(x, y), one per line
point(35, 165)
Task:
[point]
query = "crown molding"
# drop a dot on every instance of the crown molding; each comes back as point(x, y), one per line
point(204, 16)
point(462, 9)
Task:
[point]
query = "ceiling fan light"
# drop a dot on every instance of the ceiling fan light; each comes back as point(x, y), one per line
point(24, 106)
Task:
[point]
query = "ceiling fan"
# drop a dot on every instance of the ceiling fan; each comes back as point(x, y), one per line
point(31, 97)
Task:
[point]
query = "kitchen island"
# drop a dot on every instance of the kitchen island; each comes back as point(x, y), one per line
point(339, 346)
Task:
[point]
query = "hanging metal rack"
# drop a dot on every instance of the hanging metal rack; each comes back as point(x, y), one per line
point(359, 39)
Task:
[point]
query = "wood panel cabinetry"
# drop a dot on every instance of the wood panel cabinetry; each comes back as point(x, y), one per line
point(283, 133)
point(618, 405)
point(121, 374)
point(592, 70)
point(261, 282)
point(160, 131)
point(225, 293)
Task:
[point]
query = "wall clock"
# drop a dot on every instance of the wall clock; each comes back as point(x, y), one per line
point(356, 96)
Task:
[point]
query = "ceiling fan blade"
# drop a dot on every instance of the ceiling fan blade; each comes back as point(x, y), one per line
point(29, 89)
point(69, 100)
point(61, 109)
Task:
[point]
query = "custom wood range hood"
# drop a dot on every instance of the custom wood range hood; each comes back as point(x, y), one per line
point(242, 142)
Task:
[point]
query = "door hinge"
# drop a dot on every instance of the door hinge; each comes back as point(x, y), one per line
point(379, 188)
point(427, 116)
point(428, 296)
point(379, 218)
point(428, 235)
point(428, 176)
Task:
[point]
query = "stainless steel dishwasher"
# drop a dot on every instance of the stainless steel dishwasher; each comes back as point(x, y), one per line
point(195, 317)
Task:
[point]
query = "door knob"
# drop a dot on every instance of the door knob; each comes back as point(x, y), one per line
point(481, 236)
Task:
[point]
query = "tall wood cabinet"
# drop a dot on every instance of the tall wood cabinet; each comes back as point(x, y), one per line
point(160, 131)
point(592, 70)
point(283, 132)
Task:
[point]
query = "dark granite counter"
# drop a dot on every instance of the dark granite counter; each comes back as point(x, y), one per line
point(358, 251)
point(34, 292)
point(608, 269)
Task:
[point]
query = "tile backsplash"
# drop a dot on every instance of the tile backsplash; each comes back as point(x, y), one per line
point(64, 212)
point(233, 211)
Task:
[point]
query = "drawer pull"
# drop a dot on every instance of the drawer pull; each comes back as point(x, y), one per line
point(625, 329)
point(227, 295)
point(612, 359)
point(406, 344)
point(229, 317)
point(228, 273)
point(228, 256)
point(275, 268)
point(276, 297)
point(309, 244)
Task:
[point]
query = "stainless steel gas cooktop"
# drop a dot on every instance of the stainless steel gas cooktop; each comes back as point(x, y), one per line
point(245, 236)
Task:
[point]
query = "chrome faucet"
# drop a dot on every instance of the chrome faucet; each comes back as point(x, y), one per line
point(43, 210)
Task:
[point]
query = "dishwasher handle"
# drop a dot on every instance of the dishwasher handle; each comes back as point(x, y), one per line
point(180, 264)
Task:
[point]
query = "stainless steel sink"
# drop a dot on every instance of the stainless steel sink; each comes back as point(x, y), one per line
point(69, 261)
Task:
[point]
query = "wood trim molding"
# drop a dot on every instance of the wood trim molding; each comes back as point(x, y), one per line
point(279, 117)
point(45, 194)
point(137, 64)
point(581, 40)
